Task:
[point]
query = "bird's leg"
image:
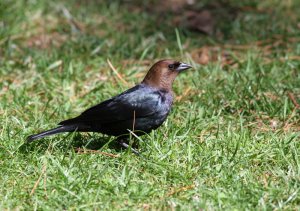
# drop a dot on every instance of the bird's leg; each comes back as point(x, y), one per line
point(126, 146)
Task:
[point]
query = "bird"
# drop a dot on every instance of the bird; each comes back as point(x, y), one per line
point(140, 109)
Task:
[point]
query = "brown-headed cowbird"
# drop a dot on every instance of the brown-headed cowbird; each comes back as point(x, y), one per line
point(141, 108)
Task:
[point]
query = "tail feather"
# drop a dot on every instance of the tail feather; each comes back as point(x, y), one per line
point(60, 129)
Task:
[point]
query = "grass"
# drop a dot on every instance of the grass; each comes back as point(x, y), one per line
point(231, 141)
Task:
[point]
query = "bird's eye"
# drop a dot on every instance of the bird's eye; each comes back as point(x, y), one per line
point(171, 66)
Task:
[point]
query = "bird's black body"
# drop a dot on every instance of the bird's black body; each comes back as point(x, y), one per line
point(141, 108)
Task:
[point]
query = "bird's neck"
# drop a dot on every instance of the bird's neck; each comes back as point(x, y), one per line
point(164, 85)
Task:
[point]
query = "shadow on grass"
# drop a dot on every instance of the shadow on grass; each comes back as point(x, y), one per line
point(70, 142)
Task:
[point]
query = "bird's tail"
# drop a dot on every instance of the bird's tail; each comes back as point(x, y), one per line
point(60, 129)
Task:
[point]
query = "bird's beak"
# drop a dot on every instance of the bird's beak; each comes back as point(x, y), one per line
point(183, 66)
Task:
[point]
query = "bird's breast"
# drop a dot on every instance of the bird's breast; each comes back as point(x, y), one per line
point(163, 107)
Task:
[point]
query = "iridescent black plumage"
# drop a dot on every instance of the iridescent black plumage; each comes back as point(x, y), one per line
point(141, 108)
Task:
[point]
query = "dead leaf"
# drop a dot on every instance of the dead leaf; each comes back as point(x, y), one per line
point(173, 5)
point(181, 189)
point(208, 54)
point(201, 21)
point(201, 56)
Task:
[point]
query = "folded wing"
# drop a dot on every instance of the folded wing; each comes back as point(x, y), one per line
point(136, 102)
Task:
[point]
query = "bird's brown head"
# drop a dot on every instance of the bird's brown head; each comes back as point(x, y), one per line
point(162, 74)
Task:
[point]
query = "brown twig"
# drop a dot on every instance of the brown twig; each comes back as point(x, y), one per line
point(88, 151)
point(116, 72)
point(293, 99)
point(38, 180)
point(45, 187)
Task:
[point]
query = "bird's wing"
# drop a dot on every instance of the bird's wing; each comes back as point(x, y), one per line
point(136, 102)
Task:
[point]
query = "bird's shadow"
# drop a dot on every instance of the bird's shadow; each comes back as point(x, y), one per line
point(75, 142)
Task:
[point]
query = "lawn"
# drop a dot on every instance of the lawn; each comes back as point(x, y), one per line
point(231, 141)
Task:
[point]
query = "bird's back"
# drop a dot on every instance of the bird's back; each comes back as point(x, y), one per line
point(141, 108)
